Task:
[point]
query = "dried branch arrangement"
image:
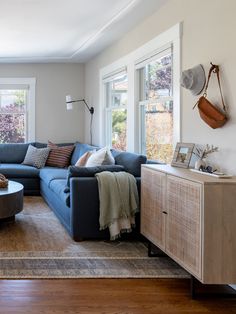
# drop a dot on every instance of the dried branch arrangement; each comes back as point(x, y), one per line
point(205, 151)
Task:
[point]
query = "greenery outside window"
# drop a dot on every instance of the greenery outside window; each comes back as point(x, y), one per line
point(13, 115)
point(17, 110)
point(116, 89)
point(153, 124)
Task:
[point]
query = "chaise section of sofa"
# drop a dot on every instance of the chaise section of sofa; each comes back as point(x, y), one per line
point(11, 157)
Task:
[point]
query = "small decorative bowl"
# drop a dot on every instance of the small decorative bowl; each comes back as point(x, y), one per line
point(3, 182)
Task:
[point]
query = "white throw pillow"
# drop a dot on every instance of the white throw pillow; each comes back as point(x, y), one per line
point(81, 162)
point(102, 157)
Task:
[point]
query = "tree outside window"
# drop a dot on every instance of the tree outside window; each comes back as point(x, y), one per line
point(13, 107)
point(157, 109)
point(116, 104)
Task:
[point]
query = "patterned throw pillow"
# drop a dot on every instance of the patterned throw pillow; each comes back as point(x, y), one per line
point(36, 157)
point(102, 157)
point(83, 159)
point(59, 156)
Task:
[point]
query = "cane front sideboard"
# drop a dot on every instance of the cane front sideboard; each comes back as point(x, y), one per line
point(192, 218)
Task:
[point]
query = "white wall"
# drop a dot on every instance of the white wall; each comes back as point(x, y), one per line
point(208, 28)
point(53, 83)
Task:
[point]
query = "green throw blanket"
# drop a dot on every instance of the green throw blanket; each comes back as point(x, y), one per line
point(119, 201)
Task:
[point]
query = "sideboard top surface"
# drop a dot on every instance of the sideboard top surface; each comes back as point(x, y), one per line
point(190, 175)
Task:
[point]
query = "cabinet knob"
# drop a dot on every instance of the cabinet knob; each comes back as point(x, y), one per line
point(164, 212)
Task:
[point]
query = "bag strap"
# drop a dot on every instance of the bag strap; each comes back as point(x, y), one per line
point(215, 69)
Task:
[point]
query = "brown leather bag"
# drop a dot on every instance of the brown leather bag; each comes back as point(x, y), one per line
point(209, 113)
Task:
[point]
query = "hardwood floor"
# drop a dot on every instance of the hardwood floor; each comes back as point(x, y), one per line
point(107, 296)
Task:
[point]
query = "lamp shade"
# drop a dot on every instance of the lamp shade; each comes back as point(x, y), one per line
point(68, 98)
point(69, 104)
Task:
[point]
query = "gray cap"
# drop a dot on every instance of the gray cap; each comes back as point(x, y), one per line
point(194, 79)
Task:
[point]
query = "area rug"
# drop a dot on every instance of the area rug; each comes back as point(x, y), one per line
point(36, 245)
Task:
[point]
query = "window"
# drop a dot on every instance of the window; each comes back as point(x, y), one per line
point(13, 122)
point(17, 123)
point(156, 107)
point(150, 119)
point(116, 111)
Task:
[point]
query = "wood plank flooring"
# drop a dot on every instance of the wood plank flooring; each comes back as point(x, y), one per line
point(107, 296)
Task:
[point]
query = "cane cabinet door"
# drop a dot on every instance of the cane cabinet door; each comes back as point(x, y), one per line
point(153, 186)
point(183, 236)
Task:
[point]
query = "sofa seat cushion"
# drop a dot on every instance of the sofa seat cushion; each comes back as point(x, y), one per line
point(58, 186)
point(19, 171)
point(49, 174)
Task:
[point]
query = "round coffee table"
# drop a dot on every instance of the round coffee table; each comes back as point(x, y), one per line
point(11, 201)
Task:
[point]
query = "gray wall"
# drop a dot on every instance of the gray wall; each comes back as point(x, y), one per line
point(53, 83)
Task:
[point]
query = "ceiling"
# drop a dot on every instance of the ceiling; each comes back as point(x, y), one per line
point(66, 30)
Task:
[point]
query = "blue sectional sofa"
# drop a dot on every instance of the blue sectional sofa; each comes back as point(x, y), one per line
point(72, 196)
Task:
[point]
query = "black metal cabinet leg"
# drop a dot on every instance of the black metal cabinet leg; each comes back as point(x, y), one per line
point(193, 287)
point(158, 252)
point(212, 290)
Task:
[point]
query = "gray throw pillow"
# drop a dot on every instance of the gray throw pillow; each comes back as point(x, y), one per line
point(36, 157)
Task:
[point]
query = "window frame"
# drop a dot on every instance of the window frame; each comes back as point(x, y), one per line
point(30, 82)
point(170, 37)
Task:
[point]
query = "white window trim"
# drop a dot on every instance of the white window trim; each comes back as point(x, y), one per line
point(172, 35)
point(31, 82)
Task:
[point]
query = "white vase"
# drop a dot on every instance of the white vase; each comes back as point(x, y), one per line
point(199, 163)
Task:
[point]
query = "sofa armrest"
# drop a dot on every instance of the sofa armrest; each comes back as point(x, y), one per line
point(156, 162)
point(84, 200)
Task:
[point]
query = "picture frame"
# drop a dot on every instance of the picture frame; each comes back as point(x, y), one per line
point(182, 155)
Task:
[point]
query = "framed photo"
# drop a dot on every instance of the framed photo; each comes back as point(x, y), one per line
point(182, 155)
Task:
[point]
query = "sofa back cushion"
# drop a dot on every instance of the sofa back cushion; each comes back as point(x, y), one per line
point(130, 161)
point(79, 150)
point(42, 145)
point(39, 145)
point(13, 153)
point(74, 171)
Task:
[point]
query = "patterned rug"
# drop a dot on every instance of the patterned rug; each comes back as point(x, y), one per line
point(37, 246)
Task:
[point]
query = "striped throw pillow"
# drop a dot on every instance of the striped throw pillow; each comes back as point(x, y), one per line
point(59, 156)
